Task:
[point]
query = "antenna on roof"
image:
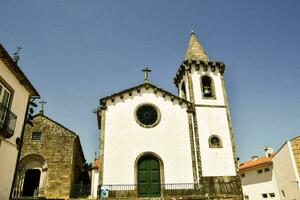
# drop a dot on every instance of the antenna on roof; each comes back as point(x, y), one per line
point(16, 54)
point(95, 157)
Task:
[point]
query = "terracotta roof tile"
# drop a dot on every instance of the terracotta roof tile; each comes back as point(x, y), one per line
point(263, 160)
point(96, 164)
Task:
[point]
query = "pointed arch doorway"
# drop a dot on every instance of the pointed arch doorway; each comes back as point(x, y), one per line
point(149, 182)
point(31, 182)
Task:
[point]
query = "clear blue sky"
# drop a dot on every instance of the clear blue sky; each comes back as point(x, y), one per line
point(75, 52)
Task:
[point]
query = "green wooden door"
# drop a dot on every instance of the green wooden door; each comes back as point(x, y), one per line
point(148, 177)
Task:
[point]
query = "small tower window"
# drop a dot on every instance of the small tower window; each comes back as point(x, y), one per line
point(215, 142)
point(207, 87)
point(183, 91)
point(36, 136)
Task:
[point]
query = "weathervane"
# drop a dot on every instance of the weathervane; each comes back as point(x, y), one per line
point(146, 71)
point(16, 54)
point(42, 106)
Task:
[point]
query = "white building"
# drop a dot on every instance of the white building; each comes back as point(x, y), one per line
point(95, 178)
point(151, 139)
point(15, 92)
point(273, 176)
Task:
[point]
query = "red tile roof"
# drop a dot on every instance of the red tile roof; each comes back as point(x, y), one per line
point(263, 160)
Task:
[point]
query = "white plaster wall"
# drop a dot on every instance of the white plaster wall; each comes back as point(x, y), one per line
point(254, 184)
point(125, 140)
point(216, 76)
point(8, 150)
point(94, 183)
point(215, 161)
point(286, 173)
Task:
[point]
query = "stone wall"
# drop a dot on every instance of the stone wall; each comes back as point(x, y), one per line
point(77, 162)
point(295, 143)
point(56, 147)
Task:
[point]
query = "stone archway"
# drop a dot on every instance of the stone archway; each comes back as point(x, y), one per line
point(31, 176)
point(31, 182)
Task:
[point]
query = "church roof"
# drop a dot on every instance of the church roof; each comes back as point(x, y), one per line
point(42, 115)
point(194, 50)
point(138, 88)
point(15, 69)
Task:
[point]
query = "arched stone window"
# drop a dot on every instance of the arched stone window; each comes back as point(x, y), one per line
point(215, 142)
point(183, 91)
point(207, 87)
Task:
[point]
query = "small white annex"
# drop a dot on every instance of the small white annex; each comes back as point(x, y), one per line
point(150, 137)
point(273, 176)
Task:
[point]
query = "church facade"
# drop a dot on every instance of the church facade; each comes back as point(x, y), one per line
point(154, 143)
point(51, 161)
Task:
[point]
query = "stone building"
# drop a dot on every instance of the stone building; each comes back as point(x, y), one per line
point(157, 144)
point(51, 160)
point(15, 94)
point(274, 175)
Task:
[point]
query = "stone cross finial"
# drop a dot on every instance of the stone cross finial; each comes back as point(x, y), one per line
point(146, 74)
point(42, 106)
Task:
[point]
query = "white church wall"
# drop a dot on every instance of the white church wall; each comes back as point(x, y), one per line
point(8, 148)
point(125, 140)
point(215, 161)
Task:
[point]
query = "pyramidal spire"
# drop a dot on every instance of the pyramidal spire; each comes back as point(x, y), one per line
point(194, 50)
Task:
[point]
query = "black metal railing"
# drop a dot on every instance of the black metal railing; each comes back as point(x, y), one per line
point(206, 189)
point(120, 191)
point(7, 121)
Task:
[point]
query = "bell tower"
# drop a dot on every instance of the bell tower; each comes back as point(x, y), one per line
point(201, 81)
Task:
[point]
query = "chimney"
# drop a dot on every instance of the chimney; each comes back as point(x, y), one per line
point(254, 157)
point(268, 151)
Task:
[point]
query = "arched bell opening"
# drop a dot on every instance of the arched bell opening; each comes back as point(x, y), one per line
point(183, 90)
point(207, 87)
